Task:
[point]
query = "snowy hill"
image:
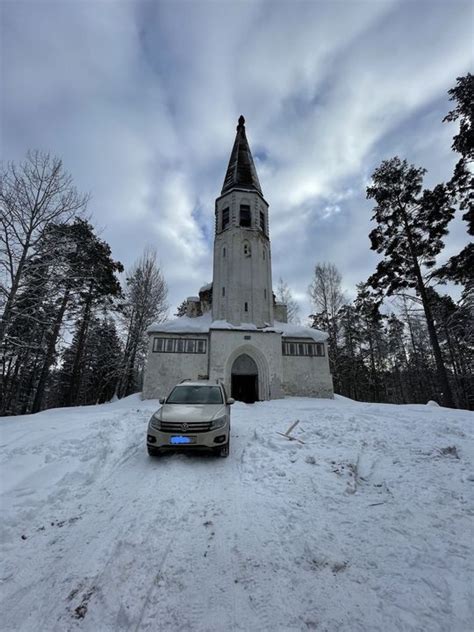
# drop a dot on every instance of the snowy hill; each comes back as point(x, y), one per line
point(367, 526)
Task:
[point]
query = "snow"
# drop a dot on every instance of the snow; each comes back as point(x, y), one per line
point(367, 526)
point(203, 324)
point(206, 288)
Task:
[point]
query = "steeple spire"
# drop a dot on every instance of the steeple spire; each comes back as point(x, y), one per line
point(241, 172)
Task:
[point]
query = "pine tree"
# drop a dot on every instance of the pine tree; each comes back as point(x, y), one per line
point(410, 228)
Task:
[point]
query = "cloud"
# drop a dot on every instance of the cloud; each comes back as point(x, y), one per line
point(141, 100)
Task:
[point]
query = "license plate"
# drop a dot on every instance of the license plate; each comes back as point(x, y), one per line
point(180, 440)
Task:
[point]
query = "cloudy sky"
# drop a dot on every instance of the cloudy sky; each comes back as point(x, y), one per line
point(141, 100)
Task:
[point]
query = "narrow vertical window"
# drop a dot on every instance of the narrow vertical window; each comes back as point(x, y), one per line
point(246, 307)
point(225, 218)
point(247, 251)
point(245, 218)
point(262, 221)
point(223, 291)
point(265, 293)
point(223, 252)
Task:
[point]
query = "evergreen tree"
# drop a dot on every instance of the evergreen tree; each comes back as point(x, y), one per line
point(410, 228)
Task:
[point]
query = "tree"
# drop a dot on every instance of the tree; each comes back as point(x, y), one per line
point(328, 298)
point(99, 286)
point(410, 228)
point(181, 309)
point(33, 195)
point(460, 267)
point(145, 303)
point(284, 295)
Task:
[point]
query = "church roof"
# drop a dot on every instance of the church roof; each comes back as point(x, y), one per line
point(204, 324)
point(241, 172)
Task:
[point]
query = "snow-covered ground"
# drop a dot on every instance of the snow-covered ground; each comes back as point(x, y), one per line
point(366, 526)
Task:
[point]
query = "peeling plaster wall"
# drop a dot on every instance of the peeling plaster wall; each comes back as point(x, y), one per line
point(165, 370)
point(307, 376)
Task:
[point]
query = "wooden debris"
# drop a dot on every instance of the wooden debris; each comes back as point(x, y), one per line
point(287, 434)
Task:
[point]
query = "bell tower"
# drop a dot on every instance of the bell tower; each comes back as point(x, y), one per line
point(242, 277)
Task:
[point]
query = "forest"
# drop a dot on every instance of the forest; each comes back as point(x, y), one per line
point(74, 322)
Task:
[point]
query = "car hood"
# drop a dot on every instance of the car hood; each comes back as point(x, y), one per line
point(190, 412)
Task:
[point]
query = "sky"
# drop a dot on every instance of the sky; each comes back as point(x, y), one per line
point(141, 100)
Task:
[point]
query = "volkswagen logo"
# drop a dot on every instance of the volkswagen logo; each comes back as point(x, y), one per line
point(184, 427)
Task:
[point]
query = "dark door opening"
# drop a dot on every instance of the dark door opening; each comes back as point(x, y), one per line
point(244, 388)
point(244, 383)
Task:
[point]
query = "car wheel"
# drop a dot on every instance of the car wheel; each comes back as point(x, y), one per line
point(224, 450)
point(153, 451)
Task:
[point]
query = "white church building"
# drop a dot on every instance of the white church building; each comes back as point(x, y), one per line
point(235, 331)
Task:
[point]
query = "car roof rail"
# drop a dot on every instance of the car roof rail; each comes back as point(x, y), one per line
point(186, 379)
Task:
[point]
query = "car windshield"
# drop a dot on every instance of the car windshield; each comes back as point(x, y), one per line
point(195, 395)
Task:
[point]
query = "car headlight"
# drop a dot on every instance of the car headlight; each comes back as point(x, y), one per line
point(155, 422)
point(218, 423)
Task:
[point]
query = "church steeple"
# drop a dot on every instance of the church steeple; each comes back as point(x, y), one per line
point(241, 172)
point(242, 280)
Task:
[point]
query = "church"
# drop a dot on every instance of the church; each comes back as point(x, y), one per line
point(235, 331)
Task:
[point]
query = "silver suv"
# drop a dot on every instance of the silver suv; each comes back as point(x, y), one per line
point(194, 415)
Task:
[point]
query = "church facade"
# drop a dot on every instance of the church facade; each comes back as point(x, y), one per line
point(235, 331)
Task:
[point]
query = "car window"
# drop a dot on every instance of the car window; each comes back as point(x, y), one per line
point(195, 395)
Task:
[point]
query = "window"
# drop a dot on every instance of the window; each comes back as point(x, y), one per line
point(195, 395)
point(247, 251)
point(262, 221)
point(225, 218)
point(179, 345)
point(246, 307)
point(265, 293)
point(223, 252)
point(223, 291)
point(245, 218)
point(310, 349)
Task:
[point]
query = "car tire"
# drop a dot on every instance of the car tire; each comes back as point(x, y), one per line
point(224, 450)
point(153, 451)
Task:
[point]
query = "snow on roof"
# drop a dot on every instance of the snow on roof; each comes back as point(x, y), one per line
point(203, 324)
point(183, 325)
point(194, 299)
point(206, 288)
point(290, 330)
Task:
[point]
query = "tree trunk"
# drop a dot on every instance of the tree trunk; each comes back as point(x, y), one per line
point(38, 400)
point(443, 381)
point(74, 385)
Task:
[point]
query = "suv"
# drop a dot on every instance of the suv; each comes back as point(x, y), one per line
point(194, 415)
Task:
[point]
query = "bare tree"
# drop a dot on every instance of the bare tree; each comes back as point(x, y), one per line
point(33, 194)
point(284, 295)
point(325, 290)
point(328, 298)
point(145, 303)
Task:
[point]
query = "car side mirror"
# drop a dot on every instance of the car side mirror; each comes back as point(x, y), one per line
point(162, 400)
point(230, 401)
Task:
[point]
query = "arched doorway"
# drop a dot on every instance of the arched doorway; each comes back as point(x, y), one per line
point(244, 379)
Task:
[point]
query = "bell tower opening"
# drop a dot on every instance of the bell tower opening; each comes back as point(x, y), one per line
point(244, 379)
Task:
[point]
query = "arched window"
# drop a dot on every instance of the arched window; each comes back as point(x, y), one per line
point(247, 250)
point(246, 307)
point(223, 252)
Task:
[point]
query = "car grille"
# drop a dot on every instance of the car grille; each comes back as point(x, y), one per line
point(180, 427)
